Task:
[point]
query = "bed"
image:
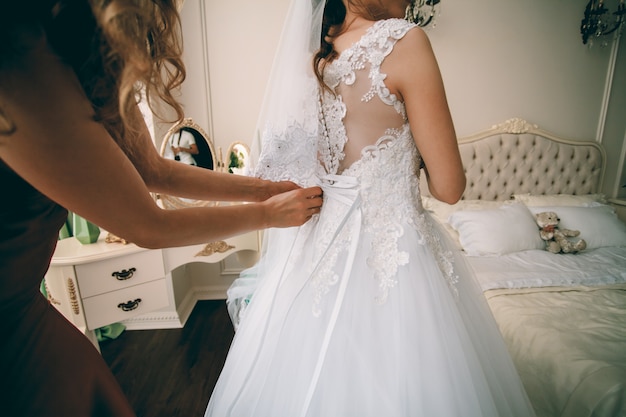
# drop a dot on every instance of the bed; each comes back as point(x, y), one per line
point(563, 316)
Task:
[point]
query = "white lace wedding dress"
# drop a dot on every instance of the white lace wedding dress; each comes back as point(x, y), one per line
point(363, 311)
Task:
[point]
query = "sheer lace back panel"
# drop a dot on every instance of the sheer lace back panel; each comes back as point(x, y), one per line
point(362, 110)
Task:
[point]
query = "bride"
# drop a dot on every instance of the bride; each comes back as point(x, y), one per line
point(366, 310)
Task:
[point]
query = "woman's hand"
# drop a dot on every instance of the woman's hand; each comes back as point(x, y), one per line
point(292, 208)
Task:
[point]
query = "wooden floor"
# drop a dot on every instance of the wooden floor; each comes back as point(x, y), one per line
point(172, 372)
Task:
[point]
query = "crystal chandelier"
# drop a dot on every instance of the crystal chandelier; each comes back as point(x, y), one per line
point(422, 12)
point(599, 22)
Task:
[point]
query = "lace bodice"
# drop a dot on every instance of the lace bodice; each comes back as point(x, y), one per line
point(361, 111)
point(385, 158)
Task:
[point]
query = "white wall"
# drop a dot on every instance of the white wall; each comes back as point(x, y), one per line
point(520, 58)
point(499, 59)
point(236, 41)
point(525, 58)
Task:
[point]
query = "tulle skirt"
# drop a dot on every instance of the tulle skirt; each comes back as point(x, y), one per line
point(426, 350)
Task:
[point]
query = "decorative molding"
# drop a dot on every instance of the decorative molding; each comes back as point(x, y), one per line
point(111, 238)
point(51, 299)
point(229, 272)
point(515, 126)
point(608, 86)
point(620, 184)
point(207, 66)
point(71, 288)
point(156, 320)
point(213, 247)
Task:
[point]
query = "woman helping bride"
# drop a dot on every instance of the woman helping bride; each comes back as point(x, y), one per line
point(366, 310)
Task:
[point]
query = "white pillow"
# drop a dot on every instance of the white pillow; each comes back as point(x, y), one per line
point(598, 225)
point(509, 228)
point(559, 199)
point(441, 211)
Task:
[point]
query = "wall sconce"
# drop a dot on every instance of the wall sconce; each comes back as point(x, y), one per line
point(422, 12)
point(598, 22)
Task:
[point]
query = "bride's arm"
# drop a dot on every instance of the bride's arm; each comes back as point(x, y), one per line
point(414, 73)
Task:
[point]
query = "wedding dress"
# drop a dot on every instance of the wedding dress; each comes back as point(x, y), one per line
point(367, 309)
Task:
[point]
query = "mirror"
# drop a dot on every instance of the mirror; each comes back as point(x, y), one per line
point(187, 143)
point(237, 158)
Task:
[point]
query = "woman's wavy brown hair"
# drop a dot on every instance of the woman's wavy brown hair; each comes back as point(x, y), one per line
point(117, 48)
point(137, 45)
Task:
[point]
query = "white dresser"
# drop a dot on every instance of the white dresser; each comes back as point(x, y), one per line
point(103, 283)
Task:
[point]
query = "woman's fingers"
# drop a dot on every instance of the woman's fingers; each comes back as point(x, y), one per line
point(313, 200)
point(295, 207)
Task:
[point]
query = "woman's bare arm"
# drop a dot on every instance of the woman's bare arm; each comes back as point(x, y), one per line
point(60, 150)
point(417, 79)
point(170, 177)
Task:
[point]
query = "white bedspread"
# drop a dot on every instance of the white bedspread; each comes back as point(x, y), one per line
point(563, 318)
point(568, 345)
point(538, 268)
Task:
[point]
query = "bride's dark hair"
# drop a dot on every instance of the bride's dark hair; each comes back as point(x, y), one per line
point(332, 19)
point(332, 25)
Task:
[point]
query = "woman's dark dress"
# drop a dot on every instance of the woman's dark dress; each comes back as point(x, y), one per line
point(47, 367)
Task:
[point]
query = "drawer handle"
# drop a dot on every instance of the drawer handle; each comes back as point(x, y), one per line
point(130, 305)
point(124, 274)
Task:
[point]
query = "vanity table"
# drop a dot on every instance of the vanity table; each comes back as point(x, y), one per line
point(102, 283)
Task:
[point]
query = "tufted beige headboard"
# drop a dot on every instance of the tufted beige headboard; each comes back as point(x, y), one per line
point(517, 157)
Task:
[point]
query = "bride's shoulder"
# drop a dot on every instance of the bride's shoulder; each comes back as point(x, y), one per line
point(396, 29)
point(410, 36)
point(394, 24)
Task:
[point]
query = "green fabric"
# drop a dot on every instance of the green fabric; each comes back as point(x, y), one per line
point(84, 231)
point(66, 230)
point(112, 331)
point(42, 288)
point(80, 228)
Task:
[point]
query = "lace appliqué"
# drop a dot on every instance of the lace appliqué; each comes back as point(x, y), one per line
point(288, 155)
point(386, 203)
point(327, 251)
point(372, 48)
point(385, 259)
point(391, 201)
point(443, 256)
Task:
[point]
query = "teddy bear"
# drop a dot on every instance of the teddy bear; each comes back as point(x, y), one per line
point(556, 238)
